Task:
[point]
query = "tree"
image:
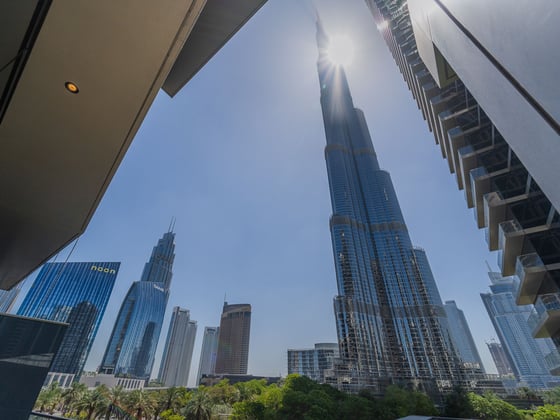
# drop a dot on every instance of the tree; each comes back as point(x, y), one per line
point(199, 406)
point(490, 407)
point(171, 399)
point(115, 396)
point(527, 393)
point(457, 404)
point(250, 389)
point(70, 395)
point(552, 396)
point(49, 398)
point(356, 407)
point(223, 393)
point(93, 402)
point(547, 412)
point(248, 410)
point(140, 404)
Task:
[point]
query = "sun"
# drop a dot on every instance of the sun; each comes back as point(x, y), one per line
point(341, 50)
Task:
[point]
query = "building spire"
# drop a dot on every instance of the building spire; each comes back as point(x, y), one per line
point(322, 37)
point(172, 224)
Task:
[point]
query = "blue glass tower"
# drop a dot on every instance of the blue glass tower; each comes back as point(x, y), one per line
point(134, 339)
point(462, 337)
point(531, 359)
point(390, 320)
point(76, 293)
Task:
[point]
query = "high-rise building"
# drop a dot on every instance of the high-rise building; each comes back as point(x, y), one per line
point(462, 337)
point(316, 363)
point(177, 354)
point(233, 339)
point(500, 359)
point(487, 89)
point(207, 365)
point(390, 320)
point(8, 297)
point(76, 293)
point(134, 339)
point(527, 355)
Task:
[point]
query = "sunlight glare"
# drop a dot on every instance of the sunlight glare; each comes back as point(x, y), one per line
point(341, 50)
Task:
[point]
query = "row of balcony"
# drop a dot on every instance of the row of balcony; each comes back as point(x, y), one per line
point(518, 220)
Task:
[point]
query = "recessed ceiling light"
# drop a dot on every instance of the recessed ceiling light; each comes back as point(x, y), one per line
point(71, 87)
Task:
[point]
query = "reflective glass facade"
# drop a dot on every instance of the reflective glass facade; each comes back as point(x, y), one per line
point(134, 339)
point(8, 297)
point(462, 337)
point(527, 355)
point(390, 320)
point(316, 363)
point(177, 354)
point(76, 293)
point(208, 354)
point(485, 91)
point(27, 350)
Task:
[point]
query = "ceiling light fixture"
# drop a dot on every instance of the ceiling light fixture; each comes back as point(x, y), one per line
point(71, 87)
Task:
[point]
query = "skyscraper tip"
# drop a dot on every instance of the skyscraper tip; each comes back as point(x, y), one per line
point(172, 224)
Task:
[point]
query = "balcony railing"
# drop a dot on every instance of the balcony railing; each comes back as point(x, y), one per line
point(548, 308)
point(510, 242)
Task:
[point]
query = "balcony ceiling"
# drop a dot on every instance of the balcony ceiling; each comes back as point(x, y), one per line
point(58, 150)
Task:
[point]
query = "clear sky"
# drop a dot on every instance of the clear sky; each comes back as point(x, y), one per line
point(237, 158)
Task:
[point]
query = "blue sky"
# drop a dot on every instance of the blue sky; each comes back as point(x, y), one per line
point(237, 158)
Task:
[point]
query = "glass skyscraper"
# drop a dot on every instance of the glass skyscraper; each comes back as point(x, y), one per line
point(208, 353)
point(316, 363)
point(177, 354)
point(488, 94)
point(76, 293)
point(8, 297)
point(134, 339)
point(462, 337)
point(530, 358)
point(500, 359)
point(390, 320)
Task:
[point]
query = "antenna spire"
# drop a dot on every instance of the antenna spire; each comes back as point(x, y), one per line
point(172, 224)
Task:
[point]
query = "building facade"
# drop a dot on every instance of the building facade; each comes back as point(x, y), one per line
point(528, 356)
point(76, 293)
point(316, 363)
point(28, 348)
point(462, 337)
point(177, 355)
point(132, 344)
point(500, 359)
point(8, 297)
point(390, 320)
point(233, 340)
point(486, 90)
point(208, 353)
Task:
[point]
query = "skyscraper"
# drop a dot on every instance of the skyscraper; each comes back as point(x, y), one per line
point(390, 320)
point(76, 293)
point(233, 339)
point(500, 359)
point(8, 297)
point(208, 353)
point(177, 354)
point(527, 355)
point(462, 337)
point(486, 89)
point(132, 345)
point(316, 363)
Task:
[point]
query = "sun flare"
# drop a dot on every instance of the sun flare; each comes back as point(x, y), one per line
point(341, 50)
